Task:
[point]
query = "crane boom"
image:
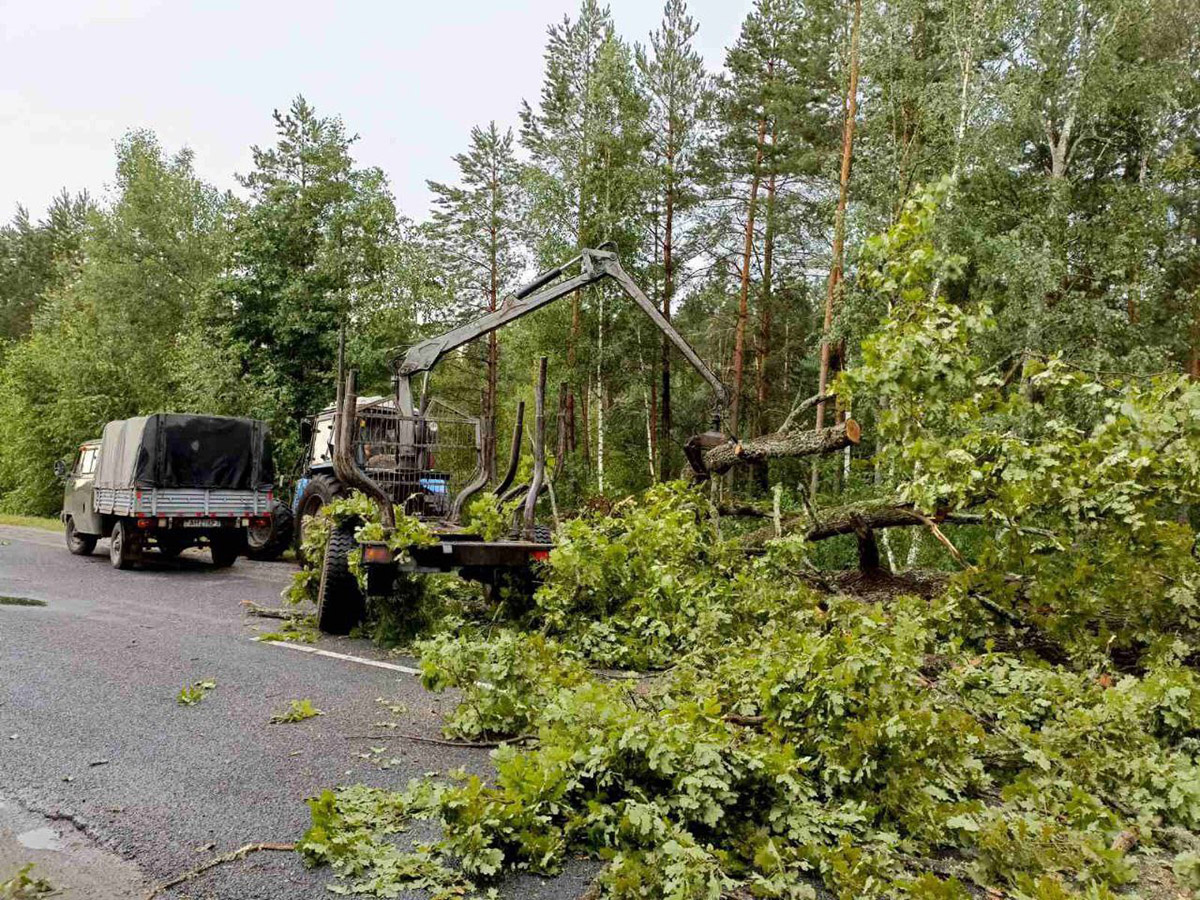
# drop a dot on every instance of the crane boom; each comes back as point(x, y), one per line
point(594, 266)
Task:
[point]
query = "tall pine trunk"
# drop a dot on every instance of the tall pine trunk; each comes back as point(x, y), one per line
point(664, 441)
point(493, 352)
point(839, 223)
point(739, 340)
point(764, 314)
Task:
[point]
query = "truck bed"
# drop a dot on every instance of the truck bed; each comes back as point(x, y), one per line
point(182, 502)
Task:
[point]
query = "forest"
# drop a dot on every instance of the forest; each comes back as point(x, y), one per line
point(743, 201)
point(954, 657)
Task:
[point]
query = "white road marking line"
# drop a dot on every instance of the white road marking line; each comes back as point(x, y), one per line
point(379, 664)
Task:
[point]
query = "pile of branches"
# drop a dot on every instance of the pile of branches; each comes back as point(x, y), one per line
point(780, 740)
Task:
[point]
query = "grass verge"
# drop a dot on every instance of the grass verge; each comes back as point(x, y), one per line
point(46, 524)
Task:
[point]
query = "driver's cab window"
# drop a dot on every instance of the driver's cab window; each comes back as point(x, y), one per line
point(86, 464)
point(322, 438)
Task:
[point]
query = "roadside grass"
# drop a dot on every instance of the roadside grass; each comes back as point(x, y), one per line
point(45, 524)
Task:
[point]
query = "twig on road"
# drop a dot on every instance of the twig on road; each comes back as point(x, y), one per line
point(420, 739)
point(239, 853)
point(271, 612)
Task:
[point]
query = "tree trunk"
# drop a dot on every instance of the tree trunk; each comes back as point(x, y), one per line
point(839, 223)
point(493, 353)
point(764, 312)
point(664, 441)
point(651, 395)
point(739, 343)
point(868, 551)
point(723, 457)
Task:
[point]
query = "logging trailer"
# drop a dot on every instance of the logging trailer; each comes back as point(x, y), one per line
point(424, 457)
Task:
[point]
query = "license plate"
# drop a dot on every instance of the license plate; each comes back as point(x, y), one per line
point(201, 523)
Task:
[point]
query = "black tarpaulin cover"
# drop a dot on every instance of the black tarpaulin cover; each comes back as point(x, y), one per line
point(168, 450)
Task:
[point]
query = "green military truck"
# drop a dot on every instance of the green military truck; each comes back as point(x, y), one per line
point(168, 482)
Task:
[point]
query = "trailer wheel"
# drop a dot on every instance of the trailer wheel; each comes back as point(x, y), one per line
point(340, 602)
point(79, 544)
point(124, 546)
point(267, 543)
point(225, 549)
point(321, 490)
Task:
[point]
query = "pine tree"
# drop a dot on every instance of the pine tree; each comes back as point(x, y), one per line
point(475, 230)
point(586, 182)
point(674, 82)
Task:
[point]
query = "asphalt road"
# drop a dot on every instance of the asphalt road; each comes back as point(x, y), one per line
point(111, 787)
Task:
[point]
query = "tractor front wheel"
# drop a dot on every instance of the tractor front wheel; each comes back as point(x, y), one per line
point(320, 491)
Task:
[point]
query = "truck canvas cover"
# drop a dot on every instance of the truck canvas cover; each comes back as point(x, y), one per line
point(168, 450)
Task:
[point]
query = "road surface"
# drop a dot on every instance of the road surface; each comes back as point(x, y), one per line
point(111, 787)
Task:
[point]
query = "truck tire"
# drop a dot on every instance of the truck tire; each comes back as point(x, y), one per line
point(79, 544)
point(541, 534)
point(321, 490)
point(124, 545)
point(225, 549)
point(268, 544)
point(340, 602)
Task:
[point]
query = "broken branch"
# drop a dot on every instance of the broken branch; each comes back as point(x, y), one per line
point(420, 739)
point(271, 612)
point(239, 853)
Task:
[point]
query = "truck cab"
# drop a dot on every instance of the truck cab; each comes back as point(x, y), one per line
point(79, 516)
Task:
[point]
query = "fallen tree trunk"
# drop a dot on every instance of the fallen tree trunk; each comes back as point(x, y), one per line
point(853, 518)
point(780, 445)
point(850, 519)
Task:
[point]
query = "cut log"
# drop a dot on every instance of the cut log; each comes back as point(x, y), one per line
point(722, 458)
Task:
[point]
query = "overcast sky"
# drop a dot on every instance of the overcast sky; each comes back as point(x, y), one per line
point(410, 78)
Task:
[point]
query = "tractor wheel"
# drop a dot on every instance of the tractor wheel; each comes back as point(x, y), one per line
point(124, 545)
point(79, 544)
point(267, 543)
point(340, 601)
point(320, 490)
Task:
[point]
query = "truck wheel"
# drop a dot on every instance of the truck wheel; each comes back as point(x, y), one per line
point(124, 546)
point(268, 543)
point(320, 490)
point(79, 544)
point(225, 550)
point(340, 602)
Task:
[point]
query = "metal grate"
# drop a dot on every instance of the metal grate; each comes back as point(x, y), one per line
point(423, 461)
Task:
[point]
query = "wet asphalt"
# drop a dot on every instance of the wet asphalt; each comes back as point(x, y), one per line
point(94, 745)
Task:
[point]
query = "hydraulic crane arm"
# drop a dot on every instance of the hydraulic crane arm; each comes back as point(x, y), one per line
point(594, 266)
